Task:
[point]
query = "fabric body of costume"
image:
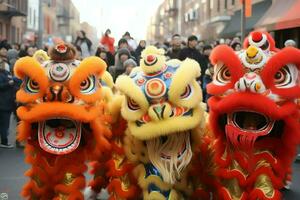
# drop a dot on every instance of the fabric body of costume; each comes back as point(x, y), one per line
point(254, 116)
point(62, 121)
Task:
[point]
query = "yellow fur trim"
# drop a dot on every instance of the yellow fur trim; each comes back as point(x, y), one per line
point(158, 196)
point(127, 86)
point(41, 56)
point(107, 94)
point(114, 106)
point(174, 62)
point(130, 115)
point(135, 70)
point(158, 53)
point(186, 74)
point(167, 126)
point(135, 150)
point(107, 79)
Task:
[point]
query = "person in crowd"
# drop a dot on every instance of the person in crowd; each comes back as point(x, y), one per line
point(12, 57)
point(200, 46)
point(207, 77)
point(78, 53)
point(228, 41)
point(236, 46)
point(123, 44)
point(7, 103)
point(129, 65)
point(108, 41)
point(173, 52)
point(290, 43)
point(23, 50)
point(118, 69)
point(31, 50)
point(3, 57)
point(105, 55)
point(84, 43)
point(139, 49)
point(191, 52)
point(16, 46)
point(131, 42)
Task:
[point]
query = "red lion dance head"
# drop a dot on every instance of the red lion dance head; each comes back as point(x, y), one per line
point(254, 116)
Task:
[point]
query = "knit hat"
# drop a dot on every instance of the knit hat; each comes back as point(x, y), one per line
point(192, 38)
point(290, 43)
point(206, 47)
point(123, 51)
point(130, 61)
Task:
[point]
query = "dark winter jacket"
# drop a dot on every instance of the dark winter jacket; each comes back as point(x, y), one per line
point(196, 55)
point(7, 91)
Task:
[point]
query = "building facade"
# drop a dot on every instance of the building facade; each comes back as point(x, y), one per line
point(13, 20)
point(207, 19)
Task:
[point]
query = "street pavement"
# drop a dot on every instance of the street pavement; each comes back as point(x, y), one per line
point(12, 168)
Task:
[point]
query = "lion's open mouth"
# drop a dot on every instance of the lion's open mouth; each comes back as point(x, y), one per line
point(254, 122)
point(243, 127)
point(59, 136)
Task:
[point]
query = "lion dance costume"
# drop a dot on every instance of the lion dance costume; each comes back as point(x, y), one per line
point(161, 105)
point(254, 116)
point(62, 121)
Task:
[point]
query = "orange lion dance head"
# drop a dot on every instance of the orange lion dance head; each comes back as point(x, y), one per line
point(61, 101)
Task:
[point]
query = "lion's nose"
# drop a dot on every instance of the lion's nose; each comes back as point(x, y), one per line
point(160, 111)
point(58, 92)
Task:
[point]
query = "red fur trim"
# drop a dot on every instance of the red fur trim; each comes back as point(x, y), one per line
point(200, 194)
point(258, 194)
point(288, 55)
point(101, 132)
point(269, 38)
point(77, 185)
point(231, 174)
point(276, 181)
point(117, 149)
point(97, 184)
point(116, 172)
point(115, 186)
point(226, 55)
point(224, 194)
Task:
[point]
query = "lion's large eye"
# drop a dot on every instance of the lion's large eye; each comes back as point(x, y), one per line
point(32, 86)
point(187, 92)
point(265, 46)
point(88, 85)
point(132, 105)
point(283, 77)
point(223, 75)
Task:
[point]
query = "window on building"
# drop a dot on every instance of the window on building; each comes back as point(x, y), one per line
point(13, 34)
point(18, 36)
point(211, 5)
point(218, 5)
point(225, 6)
point(34, 18)
point(232, 2)
point(30, 17)
point(7, 29)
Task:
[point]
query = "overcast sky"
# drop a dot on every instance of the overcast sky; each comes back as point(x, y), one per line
point(118, 15)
